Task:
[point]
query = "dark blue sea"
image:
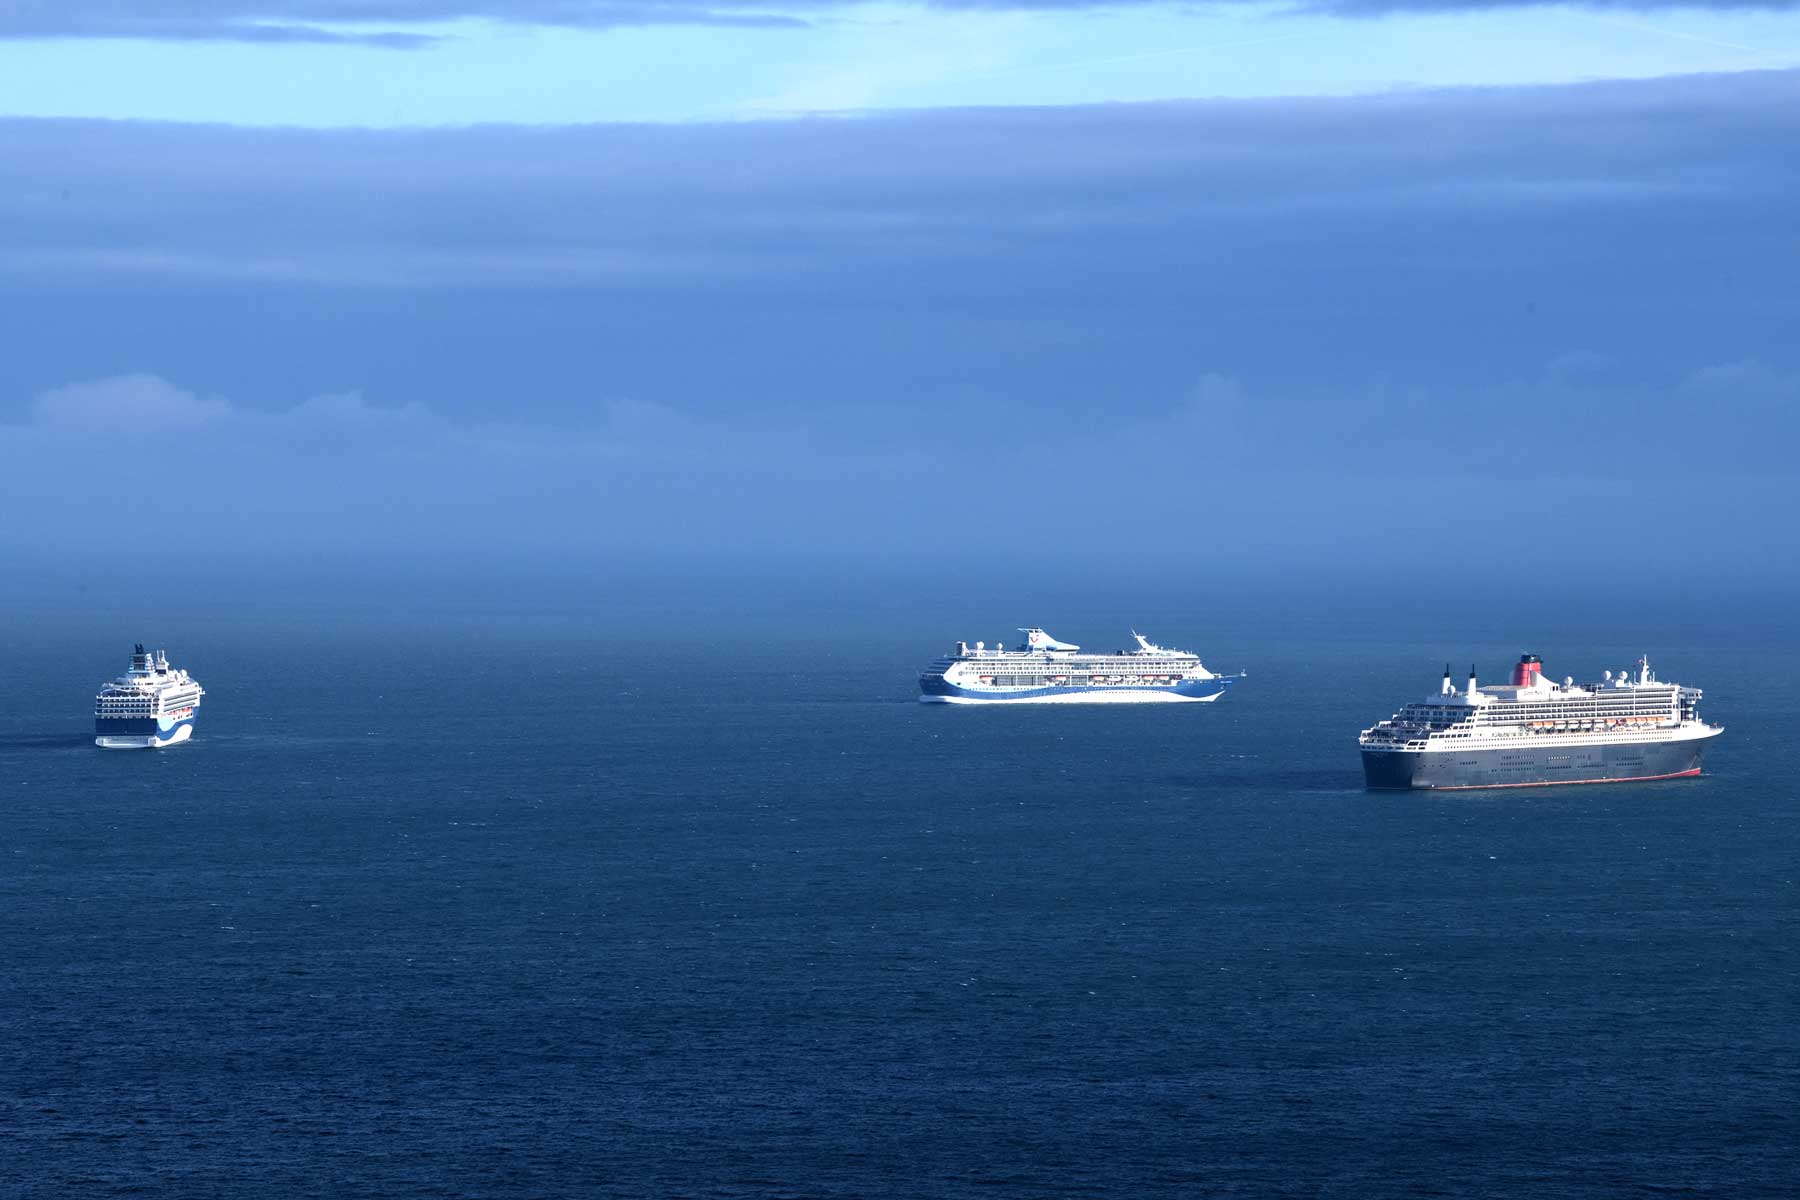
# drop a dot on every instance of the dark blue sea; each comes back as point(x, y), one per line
point(498, 899)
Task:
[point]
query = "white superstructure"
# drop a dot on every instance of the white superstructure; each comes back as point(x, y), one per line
point(1534, 711)
point(1046, 670)
point(150, 706)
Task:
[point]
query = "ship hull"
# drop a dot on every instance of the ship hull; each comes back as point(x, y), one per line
point(141, 733)
point(1537, 766)
point(1188, 691)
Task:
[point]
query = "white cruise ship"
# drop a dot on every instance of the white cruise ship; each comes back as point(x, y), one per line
point(148, 707)
point(1044, 670)
point(1532, 732)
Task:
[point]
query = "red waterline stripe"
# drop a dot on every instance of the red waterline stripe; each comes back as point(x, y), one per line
point(1484, 787)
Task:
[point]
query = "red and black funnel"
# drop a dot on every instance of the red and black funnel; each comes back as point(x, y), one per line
point(1527, 671)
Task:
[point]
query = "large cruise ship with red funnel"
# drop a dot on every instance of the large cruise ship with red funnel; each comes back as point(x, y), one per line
point(1534, 732)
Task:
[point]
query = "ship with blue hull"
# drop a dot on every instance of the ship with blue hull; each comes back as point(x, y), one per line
point(150, 706)
point(1532, 732)
point(1042, 670)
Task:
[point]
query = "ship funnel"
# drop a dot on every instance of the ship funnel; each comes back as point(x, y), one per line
point(1471, 692)
point(1527, 671)
point(1037, 639)
point(1448, 687)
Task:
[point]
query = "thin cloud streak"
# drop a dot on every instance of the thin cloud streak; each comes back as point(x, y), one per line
point(176, 30)
point(791, 206)
point(343, 21)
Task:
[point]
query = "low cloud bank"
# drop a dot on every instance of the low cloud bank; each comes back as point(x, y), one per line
point(1230, 477)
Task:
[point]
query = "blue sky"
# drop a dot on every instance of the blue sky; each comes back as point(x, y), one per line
point(1394, 287)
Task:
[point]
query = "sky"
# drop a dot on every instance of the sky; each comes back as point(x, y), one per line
point(1422, 289)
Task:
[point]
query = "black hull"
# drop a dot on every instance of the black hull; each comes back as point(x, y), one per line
point(1538, 766)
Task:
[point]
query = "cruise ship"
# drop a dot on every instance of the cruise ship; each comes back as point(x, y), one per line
point(148, 707)
point(1533, 732)
point(1044, 670)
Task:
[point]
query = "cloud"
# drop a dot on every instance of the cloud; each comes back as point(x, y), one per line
point(346, 21)
point(151, 411)
point(348, 410)
point(1419, 181)
point(1578, 363)
point(126, 405)
point(143, 405)
point(1238, 468)
point(981, 270)
point(1560, 425)
point(1744, 378)
point(225, 22)
point(1253, 325)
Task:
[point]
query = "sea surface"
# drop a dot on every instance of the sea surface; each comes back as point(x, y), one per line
point(492, 900)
